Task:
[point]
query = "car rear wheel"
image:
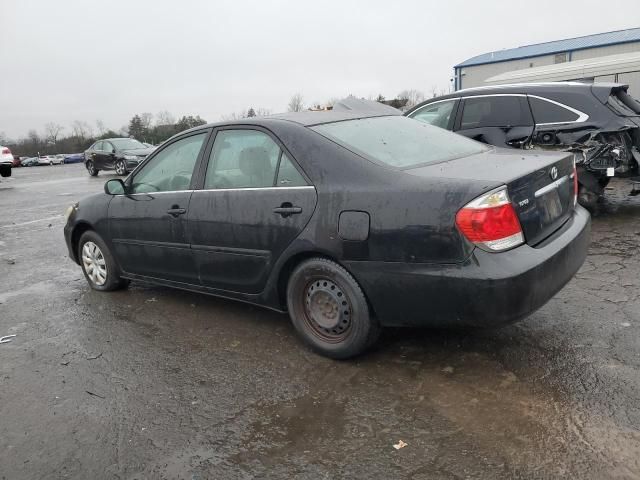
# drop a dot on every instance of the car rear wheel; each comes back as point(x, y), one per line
point(121, 167)
point(93, 171)
point(98, 265)
point(329, 310)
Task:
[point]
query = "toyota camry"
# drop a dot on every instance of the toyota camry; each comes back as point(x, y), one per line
point(348, 222)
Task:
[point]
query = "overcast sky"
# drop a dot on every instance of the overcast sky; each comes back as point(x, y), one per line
point(67, 60)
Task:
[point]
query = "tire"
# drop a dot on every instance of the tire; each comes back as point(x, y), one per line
point(93, 253)
point(121, 168)
point(93, 171)
point(329, 310)
point(51, 164)
point(587, 198)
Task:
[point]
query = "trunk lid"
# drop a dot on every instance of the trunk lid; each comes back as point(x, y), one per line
point(539, 184)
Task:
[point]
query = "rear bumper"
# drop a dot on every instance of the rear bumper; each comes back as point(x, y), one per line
point(486, 290)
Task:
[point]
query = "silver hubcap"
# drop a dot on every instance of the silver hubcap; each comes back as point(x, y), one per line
point(94, 263)
point(120, 168)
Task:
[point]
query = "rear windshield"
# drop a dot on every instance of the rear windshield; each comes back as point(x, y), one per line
point(624, 104)
point(399, 141)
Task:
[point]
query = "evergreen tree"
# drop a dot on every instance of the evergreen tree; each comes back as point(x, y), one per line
point(136, 128)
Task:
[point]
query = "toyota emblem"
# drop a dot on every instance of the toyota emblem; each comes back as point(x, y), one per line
point(553, 173)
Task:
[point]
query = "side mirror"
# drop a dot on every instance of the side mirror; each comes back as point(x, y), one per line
point(115, 186)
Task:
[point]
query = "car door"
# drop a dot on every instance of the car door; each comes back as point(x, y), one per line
point(95, 153)
point(440, 113)
point(502, 120)
point(255, 200)
point(148, 224)
point(108, 155)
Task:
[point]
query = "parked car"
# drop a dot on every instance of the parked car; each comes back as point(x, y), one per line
point(49, 160)
point(119, 154)
point(347, 221)
point(598, 122)
point(30, 162)
point(16, 161)
point(74, 158)
point(59, 159)
point(6, 161)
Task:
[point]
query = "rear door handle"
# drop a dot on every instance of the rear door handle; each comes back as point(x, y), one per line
point(175, 211)
point(286, 210)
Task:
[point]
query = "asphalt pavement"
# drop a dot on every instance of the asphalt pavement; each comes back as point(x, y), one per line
point(151, 382)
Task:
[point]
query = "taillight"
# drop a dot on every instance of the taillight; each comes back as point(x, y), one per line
point(490, 221)
point(6, 151)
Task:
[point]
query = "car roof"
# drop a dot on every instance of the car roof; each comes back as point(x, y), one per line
point(533, 88)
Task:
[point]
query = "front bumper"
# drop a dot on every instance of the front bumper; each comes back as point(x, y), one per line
point(488, 289)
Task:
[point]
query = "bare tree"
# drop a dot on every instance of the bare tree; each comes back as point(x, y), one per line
point(33, 137)
point(51, 132)
point(413, 97)
point(146, 118)
point(3, 138)
point(165, 118)
point(262, 112)
point(81, 129)
point(229, 117)
point(296, 103)
point(100, 126)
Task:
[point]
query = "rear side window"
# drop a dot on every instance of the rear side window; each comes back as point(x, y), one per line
point(498, 111)
point(548, 112)
point(249, 159)
point(97, 146)
point(438, 114)
point(399, 141)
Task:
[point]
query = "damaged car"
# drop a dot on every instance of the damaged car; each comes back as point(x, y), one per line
point(347, 221)
point(599, 123)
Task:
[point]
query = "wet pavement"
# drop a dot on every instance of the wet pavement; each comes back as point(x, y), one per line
point(157, 383)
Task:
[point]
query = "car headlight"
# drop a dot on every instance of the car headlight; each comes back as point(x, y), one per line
point(70, 209)
point(130, 157)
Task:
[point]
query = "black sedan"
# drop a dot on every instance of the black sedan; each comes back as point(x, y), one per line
point(599, 122)
point(347, 222)
point(119, 154)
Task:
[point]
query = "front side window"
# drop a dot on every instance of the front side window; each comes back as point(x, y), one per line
point(171, 169)
point(242, 159)
point(399, 141)
point(438, 114)
point(548, 112)
point(498, 111)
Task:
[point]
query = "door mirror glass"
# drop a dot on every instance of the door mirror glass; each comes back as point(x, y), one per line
point(114, 186)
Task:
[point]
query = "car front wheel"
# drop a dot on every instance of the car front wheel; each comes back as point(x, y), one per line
point(91, 168)
point(121, 167)
point(329, 310)
point(98, 265)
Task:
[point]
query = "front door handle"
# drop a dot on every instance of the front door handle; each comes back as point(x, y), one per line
point(175, 211)
point(287, 209)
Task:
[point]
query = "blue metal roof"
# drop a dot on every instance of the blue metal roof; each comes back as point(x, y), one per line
point(557, 46)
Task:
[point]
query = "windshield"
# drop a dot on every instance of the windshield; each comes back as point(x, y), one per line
point(126, 143)
point(624, 104)
point(399, 141)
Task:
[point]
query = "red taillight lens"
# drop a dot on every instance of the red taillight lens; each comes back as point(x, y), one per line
point(491, 221)
point(6, 151)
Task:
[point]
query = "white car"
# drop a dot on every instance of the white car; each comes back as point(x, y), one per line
point(5, 155)
point(50, 160)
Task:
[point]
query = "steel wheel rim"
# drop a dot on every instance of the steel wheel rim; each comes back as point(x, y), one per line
point(95, 265)
point(120, 168)
point(327, 310)
point(90, 167)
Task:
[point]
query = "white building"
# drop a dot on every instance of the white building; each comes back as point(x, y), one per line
point(603, 57)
